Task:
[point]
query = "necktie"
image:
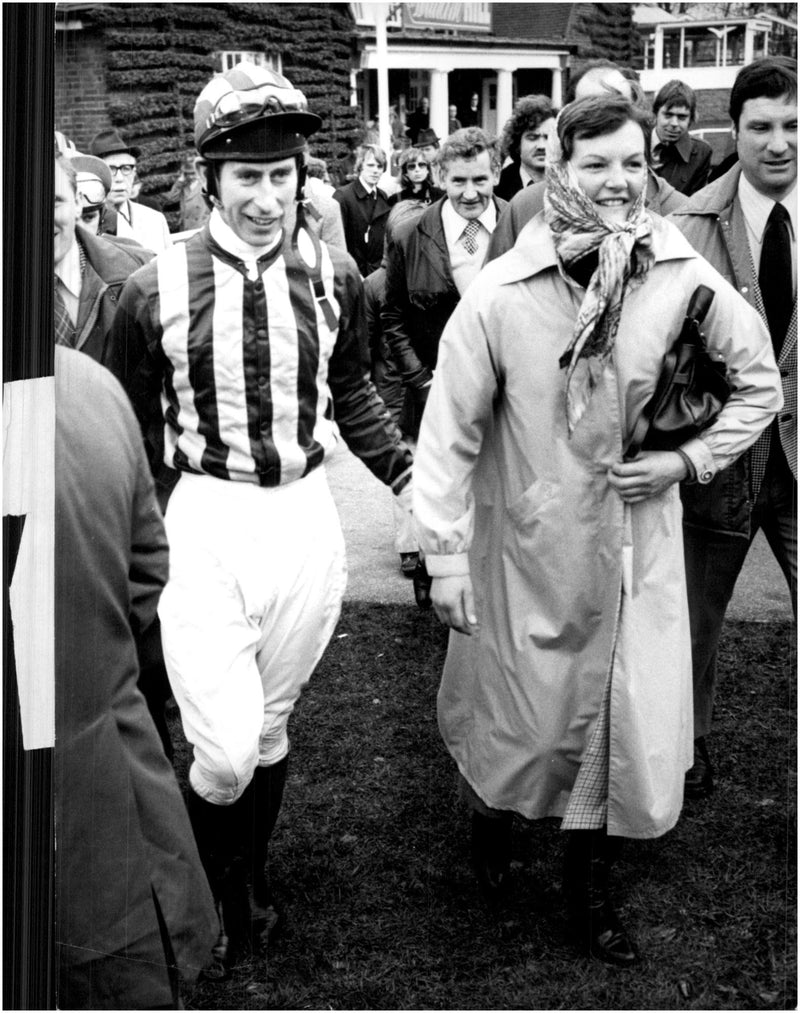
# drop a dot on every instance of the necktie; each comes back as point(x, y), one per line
point(468, 236)
point(65, 332)
point(775, 274)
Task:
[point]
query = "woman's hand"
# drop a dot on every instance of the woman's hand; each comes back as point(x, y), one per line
point(454, 603)
point(649, 474)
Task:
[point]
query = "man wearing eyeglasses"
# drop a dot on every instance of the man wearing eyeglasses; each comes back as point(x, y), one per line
point(252, 336)
point(134, 220)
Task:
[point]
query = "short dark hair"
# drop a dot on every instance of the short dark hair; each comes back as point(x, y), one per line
point(772, 77)
point(676, 93)
point(598, 115)
point(369, 149)
point(467, 143)
point(529, 112)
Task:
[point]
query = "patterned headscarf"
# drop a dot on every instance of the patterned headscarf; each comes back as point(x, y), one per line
point(625, 256)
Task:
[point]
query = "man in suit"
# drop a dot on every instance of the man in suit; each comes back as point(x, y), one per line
point(745, 224)
point(134, 220)
point(682, 160)
point(525, 139)
point(432, 261)
point(364, 208)
point(420, 119)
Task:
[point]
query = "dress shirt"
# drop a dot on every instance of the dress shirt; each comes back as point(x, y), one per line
point(756, 208)
point(526, 179)
point(465, 266)
point(69, 272)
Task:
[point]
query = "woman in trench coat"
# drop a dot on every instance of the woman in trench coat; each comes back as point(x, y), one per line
point(558, 563)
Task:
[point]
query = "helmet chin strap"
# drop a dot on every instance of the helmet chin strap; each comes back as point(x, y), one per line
point(313, 271)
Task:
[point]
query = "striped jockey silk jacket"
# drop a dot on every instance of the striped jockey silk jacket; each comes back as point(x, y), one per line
point(250, 376)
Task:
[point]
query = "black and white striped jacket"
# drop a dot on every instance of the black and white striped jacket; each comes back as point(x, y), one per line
point(249, 378)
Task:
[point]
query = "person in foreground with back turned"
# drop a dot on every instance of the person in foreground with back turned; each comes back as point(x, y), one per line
point(557, 562)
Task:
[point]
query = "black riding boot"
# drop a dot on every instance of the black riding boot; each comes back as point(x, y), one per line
point(267, 786)
point(595, 926)
point(220, 833)
point(491, 852)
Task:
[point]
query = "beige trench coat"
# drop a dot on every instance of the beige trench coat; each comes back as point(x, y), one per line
point(570, 584)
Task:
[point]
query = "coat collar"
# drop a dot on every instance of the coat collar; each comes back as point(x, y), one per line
point(716, 198)
point(535, 251)
point(112, 262)
point(362, 193)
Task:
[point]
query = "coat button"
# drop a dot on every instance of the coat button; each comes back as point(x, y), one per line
point(261, 333)
point(744, 290)
point(705, 477)
point(786, 418)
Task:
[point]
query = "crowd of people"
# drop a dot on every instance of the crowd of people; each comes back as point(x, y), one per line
point(485, 337)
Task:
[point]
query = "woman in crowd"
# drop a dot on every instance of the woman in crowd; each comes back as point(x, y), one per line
point(557, 562)
point(416, 182)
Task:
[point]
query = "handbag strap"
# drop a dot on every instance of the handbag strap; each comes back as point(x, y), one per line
point(696, 311)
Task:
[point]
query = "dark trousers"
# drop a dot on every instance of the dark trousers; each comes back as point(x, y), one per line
point(713, 564)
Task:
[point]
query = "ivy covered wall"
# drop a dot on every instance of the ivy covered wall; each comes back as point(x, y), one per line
point(159, 56)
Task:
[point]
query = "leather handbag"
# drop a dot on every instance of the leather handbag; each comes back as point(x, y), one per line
point(691, 388)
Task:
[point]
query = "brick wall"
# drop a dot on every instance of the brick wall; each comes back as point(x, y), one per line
point(80, 86)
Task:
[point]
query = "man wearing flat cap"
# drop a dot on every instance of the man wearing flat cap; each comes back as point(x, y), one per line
point(133, 220)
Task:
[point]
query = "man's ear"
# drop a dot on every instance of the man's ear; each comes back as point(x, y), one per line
point(201, 168)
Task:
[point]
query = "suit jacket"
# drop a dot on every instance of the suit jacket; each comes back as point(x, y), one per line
point(510, 181)
point(147, 226)
point(364, 220)
point(108, 266)
point(685, 165)
point(662, 198)
point(420, 293)
point(714, 224)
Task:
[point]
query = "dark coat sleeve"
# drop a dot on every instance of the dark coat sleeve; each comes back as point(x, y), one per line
point(133, 354)
point(397, 308)
point(363, 419)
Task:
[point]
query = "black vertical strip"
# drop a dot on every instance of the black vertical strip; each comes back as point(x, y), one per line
point(28, 146)
point(305, 314)
point(28, 341)
point(200, 352)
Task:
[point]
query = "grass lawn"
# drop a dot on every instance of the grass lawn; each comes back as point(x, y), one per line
point(371, 859)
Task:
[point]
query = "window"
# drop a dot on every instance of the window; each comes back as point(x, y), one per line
point(672, 48)
point(700, 48)
point(734, 47)
point(228, 58)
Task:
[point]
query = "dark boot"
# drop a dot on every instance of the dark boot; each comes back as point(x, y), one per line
point(268, 784)
point(220, 834)
point(594, 924)
point(699, 781)
point(491, 853)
